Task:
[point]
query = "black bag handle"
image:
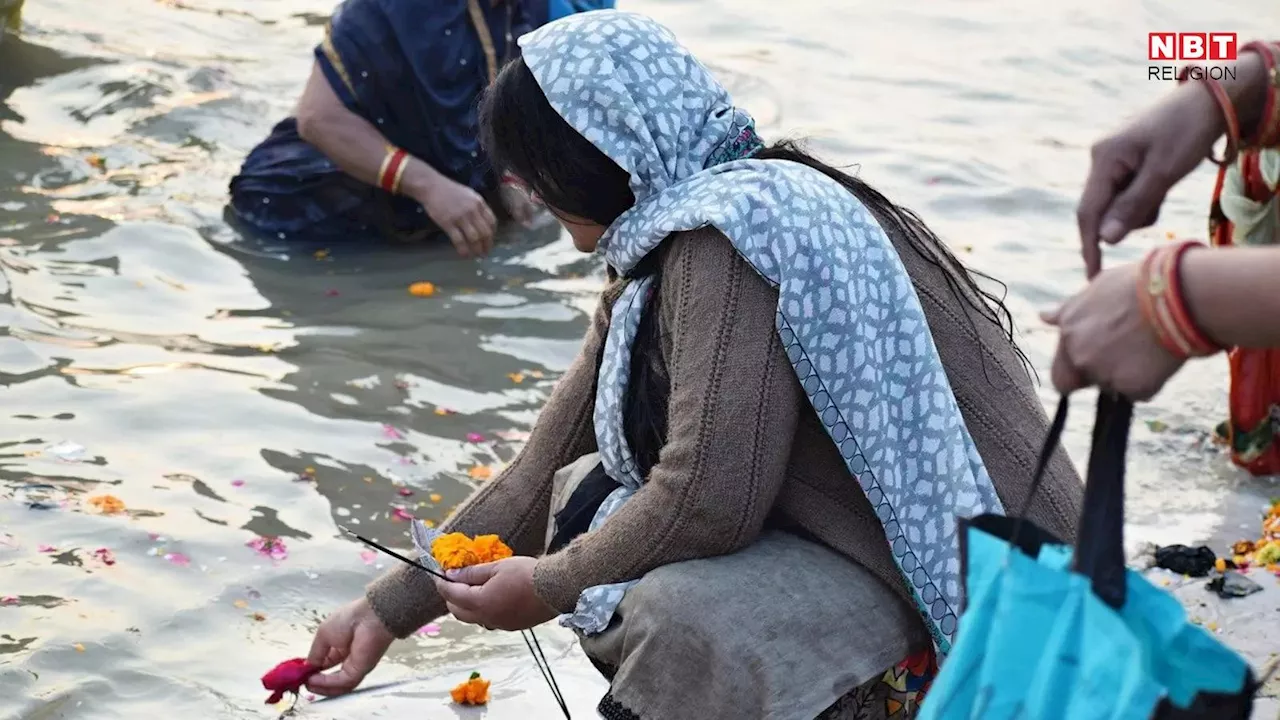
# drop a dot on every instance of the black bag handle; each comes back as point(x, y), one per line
point(1099, 553)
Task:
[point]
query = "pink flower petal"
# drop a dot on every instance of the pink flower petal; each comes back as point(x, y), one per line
point(178, 559)
point(237, 483)
point(46, 548)
point(270, 547)
point(331, 293)
point(369, 557)
point(401, 514)
point(405, 492)
point(392, 433)
point(9, 600)
point(105, 556)
point(475, 437)
point(430, 630)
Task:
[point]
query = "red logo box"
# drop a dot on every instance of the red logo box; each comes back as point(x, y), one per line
point(1201, 47)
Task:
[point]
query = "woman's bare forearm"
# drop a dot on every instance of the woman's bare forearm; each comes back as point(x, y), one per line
point(350, 141)
point(1234, 294)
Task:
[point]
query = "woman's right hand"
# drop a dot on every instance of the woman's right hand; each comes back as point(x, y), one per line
point(1133, 170)
point(354, 637)
point(462, 214)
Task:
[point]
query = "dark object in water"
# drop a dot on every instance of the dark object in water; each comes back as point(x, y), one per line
point(1184, 560)
point(1232, 584)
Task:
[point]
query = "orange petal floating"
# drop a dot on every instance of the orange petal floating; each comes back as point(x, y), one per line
point(475, 691)
point(107, 504)
point(480, 472)
point(422, 289)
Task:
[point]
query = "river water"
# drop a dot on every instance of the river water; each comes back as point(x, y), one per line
point(225, 393)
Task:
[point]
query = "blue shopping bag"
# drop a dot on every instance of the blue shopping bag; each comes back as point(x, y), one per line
point(1052, 633)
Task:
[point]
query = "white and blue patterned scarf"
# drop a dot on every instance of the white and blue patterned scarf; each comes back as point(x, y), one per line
point(848, 315)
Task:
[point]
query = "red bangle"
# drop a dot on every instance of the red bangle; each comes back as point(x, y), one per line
point(392, 170)
point(1161, 301)
point(1228, 113)
point(1268, 131)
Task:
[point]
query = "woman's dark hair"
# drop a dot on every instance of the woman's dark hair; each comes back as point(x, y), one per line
point(524, 135)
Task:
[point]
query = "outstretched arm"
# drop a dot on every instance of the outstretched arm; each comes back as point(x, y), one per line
point(356, 146)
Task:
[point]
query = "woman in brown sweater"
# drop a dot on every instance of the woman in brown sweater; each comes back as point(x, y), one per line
point(793, 389)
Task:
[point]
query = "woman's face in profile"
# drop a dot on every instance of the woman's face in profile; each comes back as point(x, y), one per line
point(585, 233)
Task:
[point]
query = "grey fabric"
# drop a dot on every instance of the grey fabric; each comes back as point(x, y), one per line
point(778, 631)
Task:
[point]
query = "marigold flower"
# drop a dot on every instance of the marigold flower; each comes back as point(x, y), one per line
point(107, 504)
point(475, 691)
point(489, 548)
point(454, 551)
point(422, 289)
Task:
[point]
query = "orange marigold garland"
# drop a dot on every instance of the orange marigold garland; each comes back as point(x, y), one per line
point(475, 691)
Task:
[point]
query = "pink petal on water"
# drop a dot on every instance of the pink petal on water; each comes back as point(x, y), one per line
point(271, 547)
point(369, 557)
point(178, 559)
point(405, 492)
point(105, 555)
point(9, 600)
point(430, 630)
point(46, 548)
point(237, 483)
point(392, 433)
point(401, 514)
point(475, 437)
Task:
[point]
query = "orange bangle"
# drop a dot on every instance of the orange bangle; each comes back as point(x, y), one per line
point(1162, 304)
point(1146, 304)
point(1228, 113)
point(392, 170)
point(1201, 344)
point(1268, 131)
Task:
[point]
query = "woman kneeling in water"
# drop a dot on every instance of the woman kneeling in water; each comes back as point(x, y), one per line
point(781, 383)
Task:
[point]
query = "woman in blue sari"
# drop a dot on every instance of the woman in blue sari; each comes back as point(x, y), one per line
point(384, 142)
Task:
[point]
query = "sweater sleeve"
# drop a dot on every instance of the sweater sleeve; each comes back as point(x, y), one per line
point(732, 417)
point(514, 505)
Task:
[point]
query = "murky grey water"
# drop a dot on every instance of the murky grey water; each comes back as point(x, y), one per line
point(145, 356)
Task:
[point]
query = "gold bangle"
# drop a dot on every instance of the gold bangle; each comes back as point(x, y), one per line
point(386, 161)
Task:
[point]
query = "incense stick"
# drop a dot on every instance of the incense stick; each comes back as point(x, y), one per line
point(396, 555)
point(535, 648)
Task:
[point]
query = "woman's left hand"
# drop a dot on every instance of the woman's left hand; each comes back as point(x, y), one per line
point(1104, 340)
point(497, 595)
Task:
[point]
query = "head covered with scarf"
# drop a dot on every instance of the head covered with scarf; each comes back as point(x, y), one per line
point(847, 314)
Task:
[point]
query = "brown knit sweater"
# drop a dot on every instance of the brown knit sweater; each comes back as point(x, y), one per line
point(745, 445)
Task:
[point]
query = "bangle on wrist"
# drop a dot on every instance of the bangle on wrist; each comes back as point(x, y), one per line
point(1164, 307)
point(1220, 96)
point(391, 174)
point(1267, 133)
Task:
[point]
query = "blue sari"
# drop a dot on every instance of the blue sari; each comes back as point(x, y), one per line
point(413, 69)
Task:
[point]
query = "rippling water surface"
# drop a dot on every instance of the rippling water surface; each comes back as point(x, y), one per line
point(225, 393)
